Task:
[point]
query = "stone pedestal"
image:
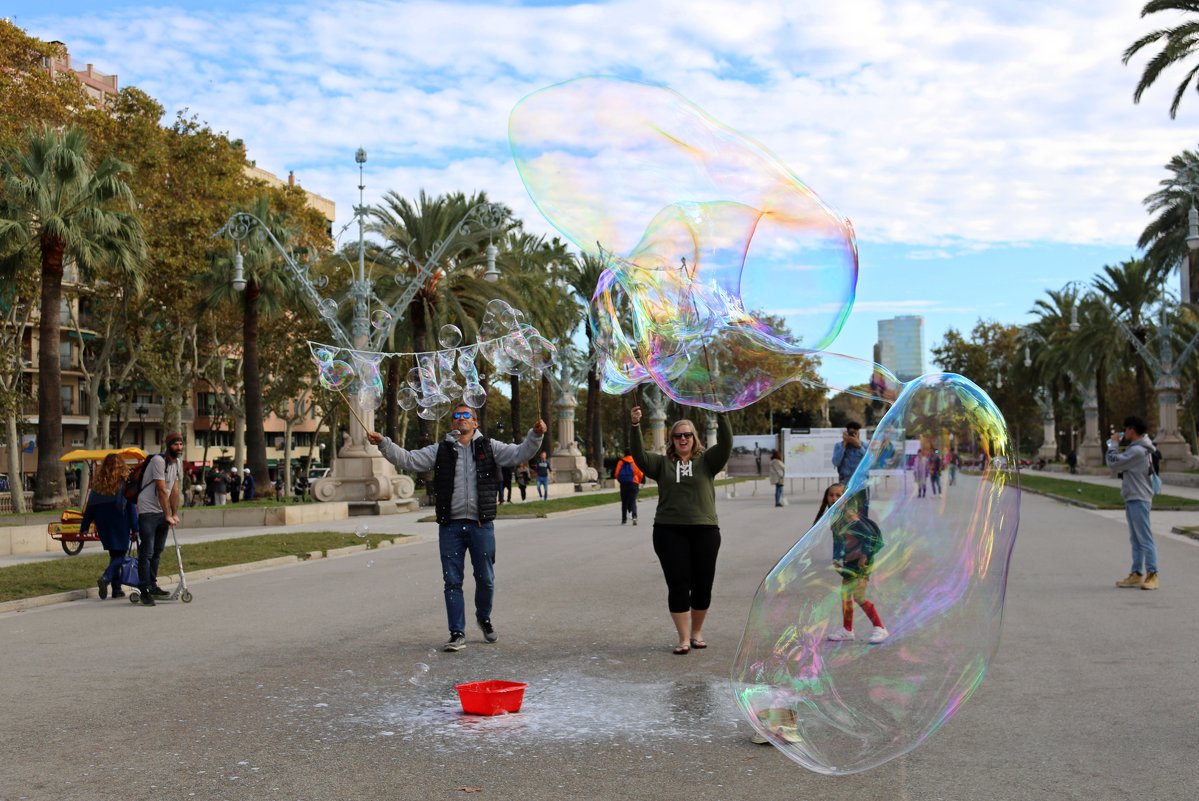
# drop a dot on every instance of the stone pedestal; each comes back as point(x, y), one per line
point(1090, 452)
point(361, 474)
point(1048, 449)
point(1175, 451)
point(567, 461)
point(656, 418)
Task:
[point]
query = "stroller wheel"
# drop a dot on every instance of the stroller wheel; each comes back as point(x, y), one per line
point(186, 596)
point(134, 596)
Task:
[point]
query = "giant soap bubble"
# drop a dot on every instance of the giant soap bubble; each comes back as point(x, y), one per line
point(721, 263)
point(937, 585)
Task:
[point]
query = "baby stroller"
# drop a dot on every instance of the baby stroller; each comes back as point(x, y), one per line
point(181, 592)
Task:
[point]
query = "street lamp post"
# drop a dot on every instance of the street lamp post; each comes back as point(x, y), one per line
point(1044, 399)
point(141, 412)
point(361, 473)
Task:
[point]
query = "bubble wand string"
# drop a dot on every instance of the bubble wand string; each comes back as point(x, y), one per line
point(353, 411)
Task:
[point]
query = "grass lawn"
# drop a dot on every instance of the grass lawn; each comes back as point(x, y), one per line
point(80, 572)
point(1103, 497)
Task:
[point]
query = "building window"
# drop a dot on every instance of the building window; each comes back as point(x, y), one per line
point(68, 399)
point(205, 403)
point(64, 355)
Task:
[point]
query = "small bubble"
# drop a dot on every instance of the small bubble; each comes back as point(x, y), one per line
point(420, 670)
point(362, 531)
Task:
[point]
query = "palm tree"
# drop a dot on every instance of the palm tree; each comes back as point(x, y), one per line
point(1130, 289)
point(582, 274)
point(1164, 239)
point(1178, 43)
point(415, 233)
point(268, 291)
point(57, 203)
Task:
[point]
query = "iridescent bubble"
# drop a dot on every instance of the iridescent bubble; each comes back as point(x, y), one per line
point(434, 412)
point(721, 265)
point(362, 530)
point(413, 378)
point(327, 308)
point(474, 396)
point(406, 398)
point(381, 319)
point(932, 569)
point(323, 356)
point(450, 336)
point(337, 375)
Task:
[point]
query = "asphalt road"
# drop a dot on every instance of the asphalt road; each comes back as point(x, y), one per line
point(306, 682)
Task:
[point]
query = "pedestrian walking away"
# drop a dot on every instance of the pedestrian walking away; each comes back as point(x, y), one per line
point(466, 474)
point(115, 519)
point(778, 473)
point(630, 478)
point(686, 529)
point(1136, 471)
point(934, 472)
point(543, 470)
point(158, 504)
point(523, 477)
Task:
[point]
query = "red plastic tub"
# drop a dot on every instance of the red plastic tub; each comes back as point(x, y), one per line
point(491, 697)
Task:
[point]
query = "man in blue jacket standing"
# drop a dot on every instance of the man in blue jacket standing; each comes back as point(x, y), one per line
point(1136, 487)
point(847, 455)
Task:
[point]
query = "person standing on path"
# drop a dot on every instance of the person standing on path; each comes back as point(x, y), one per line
point(686, 529)
point(543, 470)
point(466, 473)
point(778, 473)
point(1136, 487)
point(629, 476)
point(523, 476)
point(115, 519)
point(158, 505)
point(934, 472)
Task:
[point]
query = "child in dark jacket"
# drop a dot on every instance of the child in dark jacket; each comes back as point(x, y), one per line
point(856, 541)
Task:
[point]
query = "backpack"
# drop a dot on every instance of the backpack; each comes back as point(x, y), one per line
point(1155, 464)
point(625, 474)
point(134, 485)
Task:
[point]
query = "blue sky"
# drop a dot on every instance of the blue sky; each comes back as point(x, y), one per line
point(985, 152)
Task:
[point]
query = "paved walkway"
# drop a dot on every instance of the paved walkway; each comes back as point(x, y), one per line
point(324, 680)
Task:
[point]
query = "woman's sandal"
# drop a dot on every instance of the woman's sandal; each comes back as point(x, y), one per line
point(681, 650)
point(698, 644)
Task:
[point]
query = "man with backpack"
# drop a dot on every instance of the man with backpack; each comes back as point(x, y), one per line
point(1137, 473)
point(630, 478)
point(158, 502)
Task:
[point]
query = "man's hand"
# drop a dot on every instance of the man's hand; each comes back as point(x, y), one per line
point(540, 427)
point(173, 519)
point(635, 415)
point(374, 437)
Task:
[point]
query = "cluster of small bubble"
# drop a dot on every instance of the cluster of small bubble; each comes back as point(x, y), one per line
point(443, 378)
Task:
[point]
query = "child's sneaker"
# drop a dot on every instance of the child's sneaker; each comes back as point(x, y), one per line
point(879, 634)
point(841, 634)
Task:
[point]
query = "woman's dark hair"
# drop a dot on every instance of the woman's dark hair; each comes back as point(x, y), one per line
point(824, 503)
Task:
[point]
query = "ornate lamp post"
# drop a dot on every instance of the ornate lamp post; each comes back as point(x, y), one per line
point(361, 473)
point(1048, 449)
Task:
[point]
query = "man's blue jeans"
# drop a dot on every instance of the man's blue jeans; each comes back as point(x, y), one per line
point(543, 486)
point(455, 539)
point(152, 530)
point(1144, 552)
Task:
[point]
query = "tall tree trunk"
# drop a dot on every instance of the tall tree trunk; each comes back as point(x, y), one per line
point(518, 430)
point(391, 423)
point(16, 485)
point(50, 491)
point(547, 414)
point(1101, 398)
point(252, 381)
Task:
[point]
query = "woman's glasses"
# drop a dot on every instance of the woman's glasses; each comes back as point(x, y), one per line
point(462, 415)
point(682, 435)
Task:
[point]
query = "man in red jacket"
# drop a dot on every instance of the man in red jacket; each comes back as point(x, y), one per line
point(630, 478)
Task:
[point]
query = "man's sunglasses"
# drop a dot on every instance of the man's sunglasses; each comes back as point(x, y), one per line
point(683, 435)
point(462, 415)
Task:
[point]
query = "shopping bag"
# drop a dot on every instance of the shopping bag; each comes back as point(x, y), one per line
point(129, 574)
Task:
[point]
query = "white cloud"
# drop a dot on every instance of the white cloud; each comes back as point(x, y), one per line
point(941, 125)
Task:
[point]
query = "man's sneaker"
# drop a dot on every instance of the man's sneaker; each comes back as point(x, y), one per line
point(634, 521)
point(488, 631)
point(623, 522)
point(879, 634)
point(758, 739)
point(841, 634)
point(1150, 582)
point(1133, 580)
point(457, 641)
point(102, 585)
point(158, 592)
point(147, 599)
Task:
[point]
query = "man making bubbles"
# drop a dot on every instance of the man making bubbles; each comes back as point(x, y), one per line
point(466, 475)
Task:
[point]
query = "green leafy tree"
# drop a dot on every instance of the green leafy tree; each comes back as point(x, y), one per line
point(1178, 44)
point(57, 203)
